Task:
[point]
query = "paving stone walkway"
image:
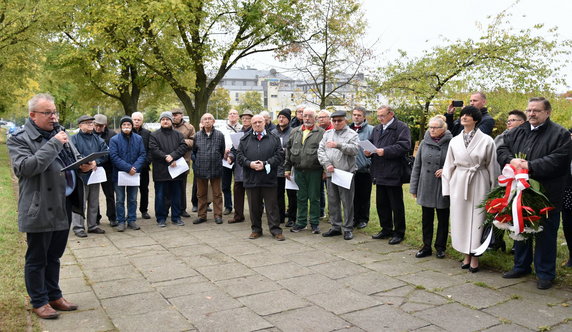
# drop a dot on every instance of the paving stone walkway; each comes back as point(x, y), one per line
point(211, 277)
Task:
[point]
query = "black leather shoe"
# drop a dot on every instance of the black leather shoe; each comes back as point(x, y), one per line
point(96, 230)
point(185, 214)
point(440, 254)
point(145, 215)
point(199, 221)
point(543, 284)
point(218, 220)
point(513, 274)
point(423, 253)
point(473, 269)
point(80, 233)
point(381, 235)
point(331, 232)
point(361, 225)
point(396, 240)
point(348, 235)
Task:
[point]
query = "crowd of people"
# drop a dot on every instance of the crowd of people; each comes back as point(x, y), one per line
point(456, 165)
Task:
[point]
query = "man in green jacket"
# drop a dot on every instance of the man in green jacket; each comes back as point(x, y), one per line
point(303, 157)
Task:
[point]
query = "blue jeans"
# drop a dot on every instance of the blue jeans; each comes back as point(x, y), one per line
point(173, 189)
point(120, 203)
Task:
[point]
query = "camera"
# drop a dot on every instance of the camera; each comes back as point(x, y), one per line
point(457, 103)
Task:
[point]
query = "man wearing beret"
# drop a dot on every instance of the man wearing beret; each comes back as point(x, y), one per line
point(87, 142)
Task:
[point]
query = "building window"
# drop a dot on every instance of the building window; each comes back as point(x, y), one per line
point(273, 96)
point(244, 83)
point(236, 97)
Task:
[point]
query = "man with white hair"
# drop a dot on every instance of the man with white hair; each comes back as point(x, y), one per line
point(138, 121)
point(301, 155)
point(268, 125)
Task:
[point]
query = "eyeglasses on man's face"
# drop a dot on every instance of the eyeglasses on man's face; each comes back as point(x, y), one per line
point(49, 114)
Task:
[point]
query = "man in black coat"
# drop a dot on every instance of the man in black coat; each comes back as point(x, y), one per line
point(138, 121)
point(478, 100)
point(102, 130)
point(392, 140)
point(260, 154)
point(166, 146)
point(548, 150)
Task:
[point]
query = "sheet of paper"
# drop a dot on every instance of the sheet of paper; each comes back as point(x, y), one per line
point(124, 179)
point(342, 178)
point(367, 146)
point(97, 176)
point(235, 137)
point(291, 184)
point(179, 168)
point(226, 164)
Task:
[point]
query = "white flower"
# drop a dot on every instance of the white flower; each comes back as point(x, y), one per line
point(517, 237)
point(501, 225)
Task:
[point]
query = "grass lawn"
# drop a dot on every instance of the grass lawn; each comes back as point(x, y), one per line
point(13, 297)
point(497, 261)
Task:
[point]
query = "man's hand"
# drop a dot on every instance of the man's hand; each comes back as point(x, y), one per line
point(450, 109)
point(379, 152)
point(132, 171)
point(62, 137)
point(414, 195)
point(173, 164)
point(229, 160)
point(257, 165)
point(330, 168)
point(519, 163)
point(331, 144)
point(88, 166)
point(287, 175)
point(367, 153)
point(168, 158)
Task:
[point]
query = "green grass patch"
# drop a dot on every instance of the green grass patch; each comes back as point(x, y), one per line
point(13, 296)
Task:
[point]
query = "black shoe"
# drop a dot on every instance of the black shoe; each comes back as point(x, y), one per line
point(396, 240)
point(113, 223)
point(218, 220)
point(315, 229)
point(513, 274)
point(80, 233)
point(543, 284)
point(423, 253)
point(199, 221)
point(185, 214)
point(473, 269)
point(381, 235)
point(145, 215)
point(209, 209)
point(361, 225)
point(195, 209)
point(296, 228)
point(332, 232)
point(465, 266)
point(227, 211)
point(440, 254)
point(290, 223)
point(348, 235)
point(96, 230)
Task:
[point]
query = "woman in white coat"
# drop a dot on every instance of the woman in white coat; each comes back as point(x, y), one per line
point(469, 172)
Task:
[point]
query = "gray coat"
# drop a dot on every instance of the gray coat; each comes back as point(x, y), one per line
point(42, 187)
point(344, 156)
point(430, 157)
point(284, 136)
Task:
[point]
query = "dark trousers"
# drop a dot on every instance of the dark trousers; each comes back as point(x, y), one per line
point(184, 192)
point(109, 192)
point(323, 198)
point(239, 193)
point(226, 182)
point(280, 198)
point(362, 197)
point(390, 209)
point(42, 267)
point(144, 190)
point(194, 198)
point(567, 228)
point(427, 216)
point(256, 198)
point(168, 194)
point(544, 251)
point(292, 204)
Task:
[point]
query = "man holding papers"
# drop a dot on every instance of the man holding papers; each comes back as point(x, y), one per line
point(209, 150)
point(167, 145)
point(392, 140)
point(127, 154)
point(188, 132)
point(87, 142)
point(337, 151)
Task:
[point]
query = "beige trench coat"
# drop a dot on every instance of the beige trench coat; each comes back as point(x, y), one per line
point(468, 175)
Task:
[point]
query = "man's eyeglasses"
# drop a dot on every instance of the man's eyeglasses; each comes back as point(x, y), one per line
point(513, 120)
point(434, 128)
point(337, 120)
point(54, 113)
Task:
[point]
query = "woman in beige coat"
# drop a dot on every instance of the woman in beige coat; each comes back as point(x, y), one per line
point(469, 172)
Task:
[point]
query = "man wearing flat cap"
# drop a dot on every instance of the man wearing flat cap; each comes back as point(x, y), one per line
point(338, 149)
point(167, 145)
point(87, 142)
point(103, 131)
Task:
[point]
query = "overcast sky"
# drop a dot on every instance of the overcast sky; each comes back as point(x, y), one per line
point(415, 25)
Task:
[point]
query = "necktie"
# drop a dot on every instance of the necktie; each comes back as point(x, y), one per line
point(259, 136)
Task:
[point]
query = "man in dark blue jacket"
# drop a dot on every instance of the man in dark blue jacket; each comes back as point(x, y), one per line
point(87, 142)
point(478, 100)
point(392, 140)
point(127, 154)
point(260, 154)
